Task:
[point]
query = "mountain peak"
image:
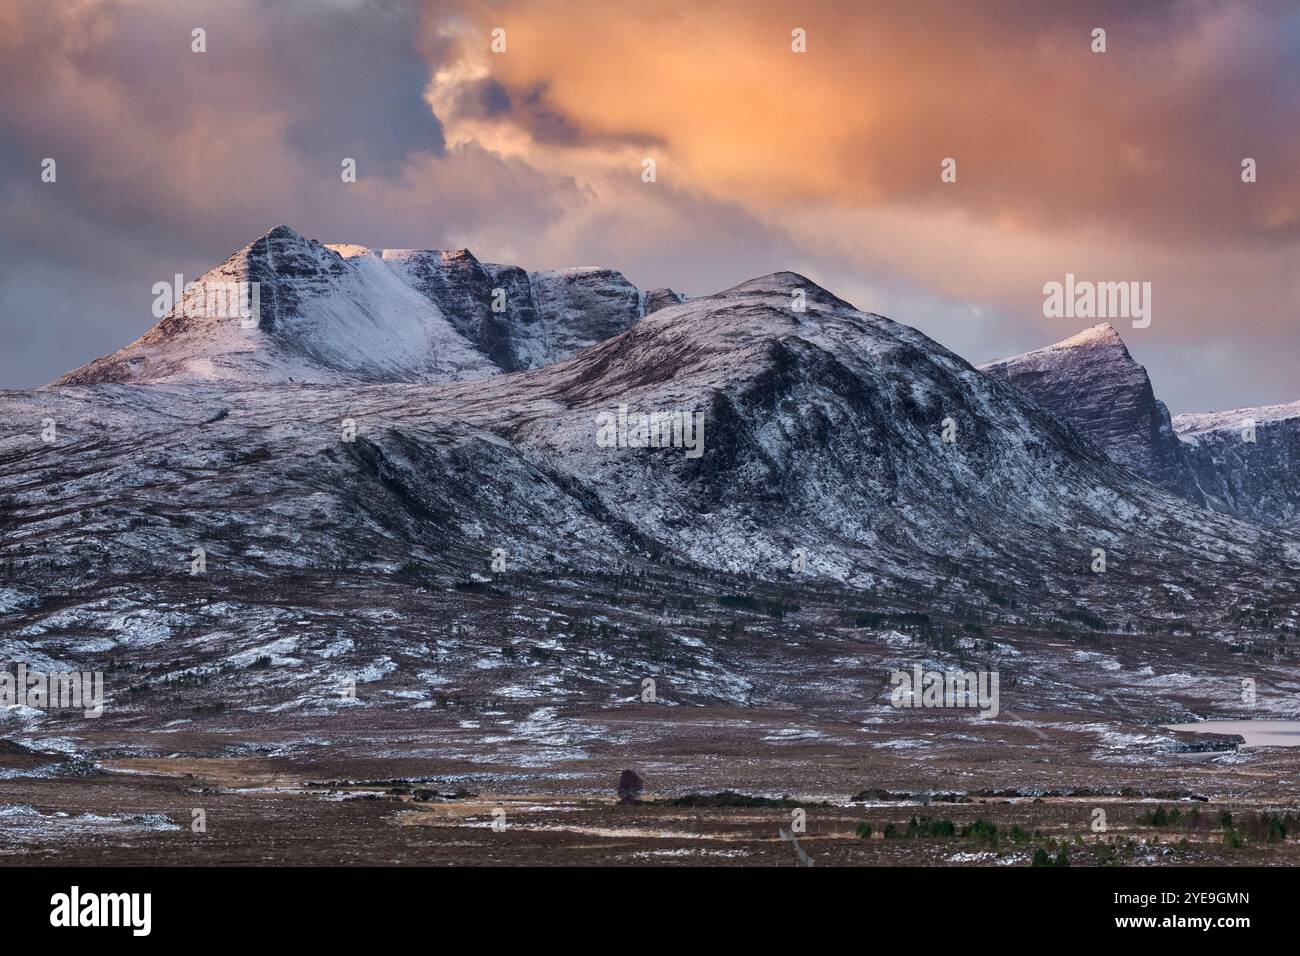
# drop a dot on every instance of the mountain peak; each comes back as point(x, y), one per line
point(785, 283)
point(1099, 335)
point(344, 312)
point(282, 233)
point(1102, 336)
point(279, 241)
point(662, 298)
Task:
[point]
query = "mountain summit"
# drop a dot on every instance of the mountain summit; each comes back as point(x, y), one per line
point(323, 315)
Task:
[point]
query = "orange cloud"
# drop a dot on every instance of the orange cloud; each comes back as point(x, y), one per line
point(1147, 137)
point(1124, 164)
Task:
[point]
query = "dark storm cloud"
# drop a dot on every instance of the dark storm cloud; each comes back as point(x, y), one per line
point(530, 109)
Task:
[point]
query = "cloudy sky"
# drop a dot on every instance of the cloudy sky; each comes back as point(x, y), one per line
point(1123, 165)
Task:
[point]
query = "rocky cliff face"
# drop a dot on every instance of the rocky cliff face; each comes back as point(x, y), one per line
point(1091, 381)
point(1248, 460)
point(518, 319)
point(577, 308)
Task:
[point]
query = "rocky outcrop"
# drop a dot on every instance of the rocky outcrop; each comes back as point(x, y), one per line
point(1091, 381)
point(662, 298)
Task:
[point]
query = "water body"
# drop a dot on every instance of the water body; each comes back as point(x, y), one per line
point(1258, 733)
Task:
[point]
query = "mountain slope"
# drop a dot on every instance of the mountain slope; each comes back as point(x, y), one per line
point(1091, 381)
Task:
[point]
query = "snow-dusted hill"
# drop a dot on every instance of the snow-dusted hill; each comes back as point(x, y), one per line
point(333, 313)
point(824, 431)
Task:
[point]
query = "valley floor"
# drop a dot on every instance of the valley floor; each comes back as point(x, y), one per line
point(723, 786)
point(306, 726)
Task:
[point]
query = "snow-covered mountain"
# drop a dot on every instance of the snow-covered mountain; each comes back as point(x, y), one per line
point(825, 431)
point(1091, 381)
point(332, 313)
point(895, 468)
point(325, 316)
point(1248, 460)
